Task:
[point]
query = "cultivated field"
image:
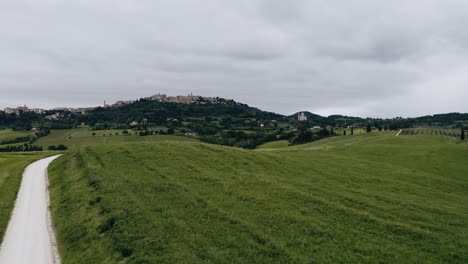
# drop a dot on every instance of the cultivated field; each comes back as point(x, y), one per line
point(447, 132)
point(11, 169)
point(366, 198)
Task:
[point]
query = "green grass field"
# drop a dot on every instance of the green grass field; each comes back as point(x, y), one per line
point(11, 169)
point(372, 198)
point(274, 144)
point(9, 134)
point(76, 138)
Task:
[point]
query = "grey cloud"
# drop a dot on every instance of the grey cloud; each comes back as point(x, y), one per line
point(372, 58)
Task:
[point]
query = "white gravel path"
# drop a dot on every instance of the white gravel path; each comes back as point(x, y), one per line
point(399, 132)
point(30, 238)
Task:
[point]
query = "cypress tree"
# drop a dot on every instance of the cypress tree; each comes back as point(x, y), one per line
point(344, 132)
point(462, 137)
point(369, 129)
point(352, 130)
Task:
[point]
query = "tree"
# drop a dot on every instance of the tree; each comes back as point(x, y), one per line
point(352, 130)
point(170, 131)
point(462, 136)
point(59, 147)
point(344, 132)
point(305, 135)
point(368, 129)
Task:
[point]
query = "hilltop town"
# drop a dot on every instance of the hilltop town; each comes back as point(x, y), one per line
point(163, 98)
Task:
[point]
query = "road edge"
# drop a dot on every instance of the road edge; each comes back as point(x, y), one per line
point(50, 224)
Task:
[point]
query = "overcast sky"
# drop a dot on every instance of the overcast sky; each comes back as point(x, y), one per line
point(367, 58)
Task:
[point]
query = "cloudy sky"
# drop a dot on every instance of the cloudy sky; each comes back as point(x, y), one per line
point(364, 57)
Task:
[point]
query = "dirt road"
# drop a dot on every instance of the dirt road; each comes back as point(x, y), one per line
point(29, 237)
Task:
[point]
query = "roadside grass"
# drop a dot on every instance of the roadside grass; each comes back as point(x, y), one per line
point(76, 138)
point(12, 166)
point(370, 198)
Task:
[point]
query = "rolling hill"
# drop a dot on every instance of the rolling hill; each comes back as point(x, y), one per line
point(363, 198)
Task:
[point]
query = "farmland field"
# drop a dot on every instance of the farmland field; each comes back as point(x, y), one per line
point(11, 170)
point(363, 198)
point(447, 132)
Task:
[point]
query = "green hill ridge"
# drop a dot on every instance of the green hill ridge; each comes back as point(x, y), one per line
point(363, 198)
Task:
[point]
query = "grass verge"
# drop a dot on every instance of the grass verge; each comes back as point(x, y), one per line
point(12, 166)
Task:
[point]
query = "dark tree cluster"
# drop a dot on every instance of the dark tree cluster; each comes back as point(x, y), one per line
point(57, 148)
point(21, 148)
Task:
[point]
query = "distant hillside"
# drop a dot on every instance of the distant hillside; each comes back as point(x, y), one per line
point(458, 120)
point(213, 120)
point(333, 120)
point(159, 112)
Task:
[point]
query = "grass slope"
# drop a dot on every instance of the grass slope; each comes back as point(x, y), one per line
point(11, 169)
point(274, 144)
point(9, 134)
point(371, 198)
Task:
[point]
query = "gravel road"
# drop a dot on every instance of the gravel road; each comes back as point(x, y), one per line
point(29, 237)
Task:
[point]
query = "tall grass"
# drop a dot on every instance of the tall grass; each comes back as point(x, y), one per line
point(371, 198)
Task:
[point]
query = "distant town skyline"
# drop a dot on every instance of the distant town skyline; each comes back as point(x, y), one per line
point(362, 58)
point(78, 107)
point(83, 109)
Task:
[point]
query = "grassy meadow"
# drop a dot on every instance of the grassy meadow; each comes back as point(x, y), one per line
point(76, 138)
point(364, 198)
point(12, 166)
point(9, 134)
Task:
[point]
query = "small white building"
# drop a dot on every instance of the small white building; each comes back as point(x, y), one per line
point(301, 117)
